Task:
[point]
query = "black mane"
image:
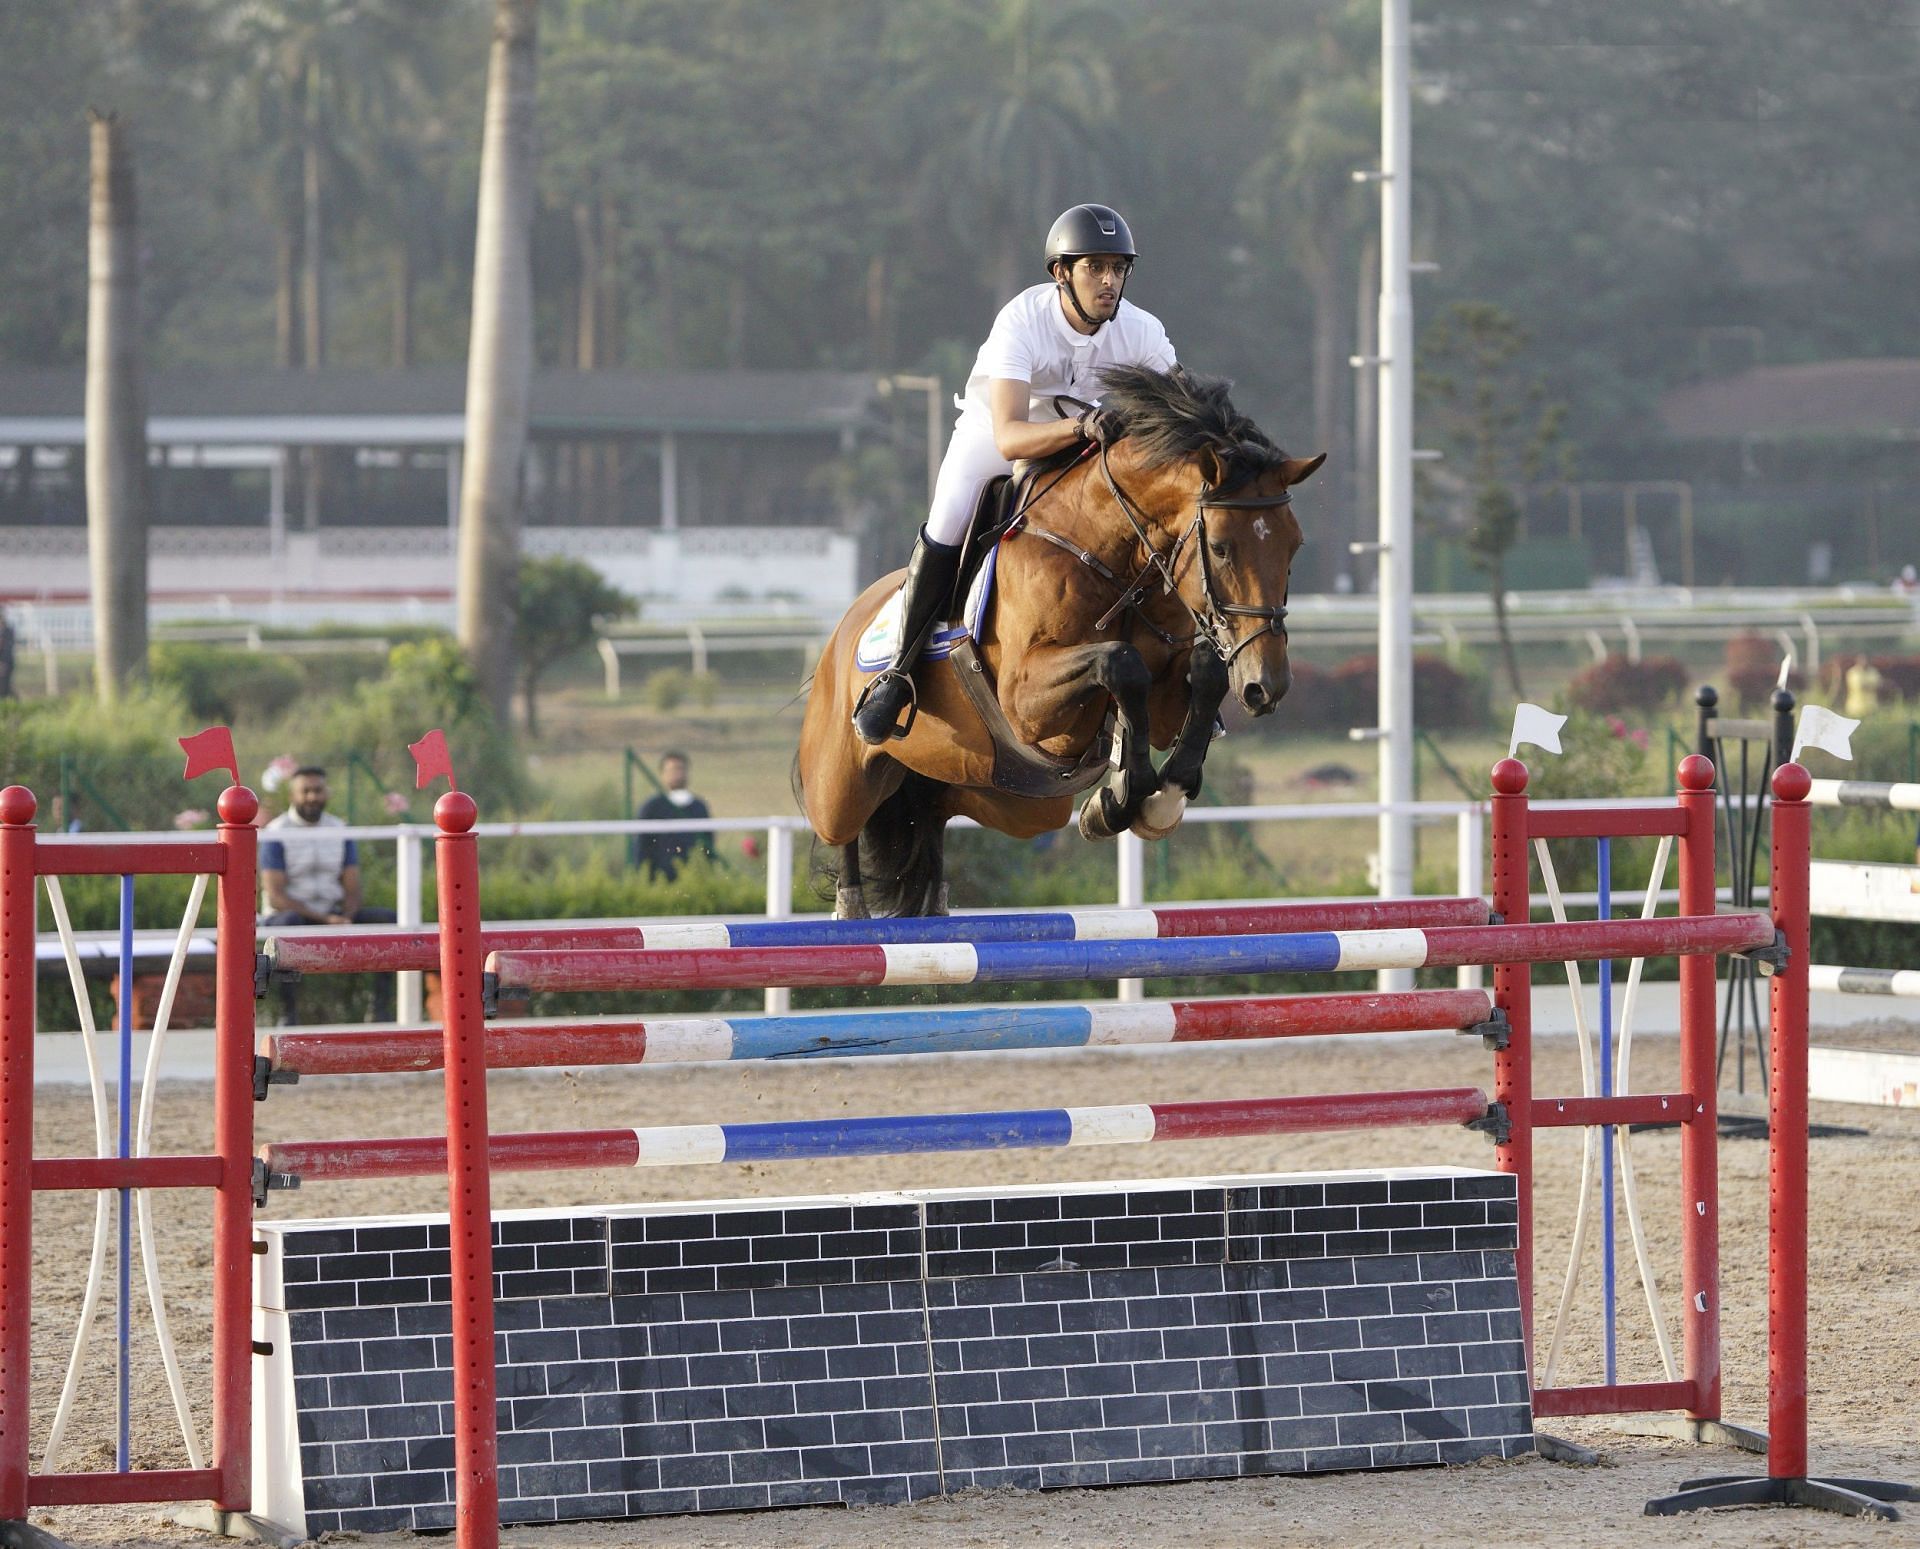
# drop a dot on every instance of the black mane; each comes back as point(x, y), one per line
point(1172, 416)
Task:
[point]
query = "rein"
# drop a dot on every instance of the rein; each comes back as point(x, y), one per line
point(1212, 620)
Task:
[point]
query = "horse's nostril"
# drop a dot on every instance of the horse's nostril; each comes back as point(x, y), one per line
point(1253, 696)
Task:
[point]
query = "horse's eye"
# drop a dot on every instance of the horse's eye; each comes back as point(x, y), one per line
point(1220, 550)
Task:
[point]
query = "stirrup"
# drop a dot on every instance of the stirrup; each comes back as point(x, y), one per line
point(898, 731)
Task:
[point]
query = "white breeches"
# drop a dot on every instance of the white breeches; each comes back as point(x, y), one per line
point(972, 459)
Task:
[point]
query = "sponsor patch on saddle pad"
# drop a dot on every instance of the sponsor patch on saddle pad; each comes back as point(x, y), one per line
point(881, 638)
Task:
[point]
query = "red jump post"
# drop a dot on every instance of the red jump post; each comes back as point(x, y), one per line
point(1786, 1482)
point(469, 1192)
point(16, 1141)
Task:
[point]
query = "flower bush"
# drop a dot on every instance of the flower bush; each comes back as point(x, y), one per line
point(1617, 685)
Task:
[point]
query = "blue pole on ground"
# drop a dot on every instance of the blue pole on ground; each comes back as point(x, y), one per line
point(1606, 1090)
point(122, 1452)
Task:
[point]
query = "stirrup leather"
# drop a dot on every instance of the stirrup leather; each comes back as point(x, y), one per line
point(899, 730)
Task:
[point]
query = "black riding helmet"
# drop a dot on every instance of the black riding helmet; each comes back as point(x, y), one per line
point(1085, 229)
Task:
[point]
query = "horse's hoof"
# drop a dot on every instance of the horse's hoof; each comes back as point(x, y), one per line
point(849, 903)
point(1160, 813)
point(1095, 821)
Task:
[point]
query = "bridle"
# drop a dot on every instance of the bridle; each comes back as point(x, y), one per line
point(1211, 620)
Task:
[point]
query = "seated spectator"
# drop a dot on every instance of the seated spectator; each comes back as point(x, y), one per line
point(311, 877)
point(663, 853)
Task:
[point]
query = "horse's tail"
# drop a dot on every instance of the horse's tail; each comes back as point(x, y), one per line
point(823, 860)
point(903, 850)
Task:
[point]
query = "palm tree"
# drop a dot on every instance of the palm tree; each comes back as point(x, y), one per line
point(1006, 121)
point(499, 356)
point(116, 418)
point(306, 71)
point(1300, 200)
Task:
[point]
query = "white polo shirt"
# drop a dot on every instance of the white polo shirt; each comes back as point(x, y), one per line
point(1032, 341)
point(311, 857)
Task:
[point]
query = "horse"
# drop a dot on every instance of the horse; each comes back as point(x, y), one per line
point(1141, 582)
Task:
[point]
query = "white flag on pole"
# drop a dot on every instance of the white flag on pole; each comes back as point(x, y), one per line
point(1821, 728)
point(1786, 670)
point(1537, 726)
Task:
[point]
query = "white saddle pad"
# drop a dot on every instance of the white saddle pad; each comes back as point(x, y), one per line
point(881, 638)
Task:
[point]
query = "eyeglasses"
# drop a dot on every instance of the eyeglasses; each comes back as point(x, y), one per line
point(1105, 268)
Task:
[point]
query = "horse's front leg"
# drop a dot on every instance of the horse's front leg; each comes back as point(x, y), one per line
point(1114, 804)
point(1179, 783)
point(1056, 697)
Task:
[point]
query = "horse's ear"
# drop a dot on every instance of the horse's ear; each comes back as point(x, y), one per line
point(1300, 469)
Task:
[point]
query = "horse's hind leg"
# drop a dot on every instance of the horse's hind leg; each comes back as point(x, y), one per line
point(850, 898)
point(903, 853)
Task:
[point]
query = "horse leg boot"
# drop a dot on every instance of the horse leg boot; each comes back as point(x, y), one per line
point(1161, 812)
point(850, 895)
point(1113, 805)
point(931, 573)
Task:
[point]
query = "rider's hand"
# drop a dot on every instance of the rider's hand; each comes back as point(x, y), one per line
point(1102, 426)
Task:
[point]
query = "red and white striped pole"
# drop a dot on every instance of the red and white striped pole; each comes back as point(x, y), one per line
point(469, 1193)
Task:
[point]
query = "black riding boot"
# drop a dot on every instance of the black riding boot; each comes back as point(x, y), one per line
point(930, 576)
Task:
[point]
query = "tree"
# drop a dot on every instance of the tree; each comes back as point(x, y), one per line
point(1499, 422)
point(1299, 199)
point(499, 356)
point(562, 603)
point(319, 88)
point(1009, 108)
point(116, 418)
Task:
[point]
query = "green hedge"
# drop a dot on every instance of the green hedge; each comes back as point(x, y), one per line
point(127, 752)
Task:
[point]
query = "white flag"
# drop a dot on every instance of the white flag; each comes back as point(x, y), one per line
point(1786, 670)
point(1821, 728)
point(1537, 726)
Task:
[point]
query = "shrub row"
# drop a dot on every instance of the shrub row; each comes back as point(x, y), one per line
point(1328, 701)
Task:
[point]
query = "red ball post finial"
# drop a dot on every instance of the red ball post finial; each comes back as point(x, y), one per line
point(455, 812)
point(1791, 783)
point(1509, 777)
point(238, 805)
point(17, 806)
point(1696, 772)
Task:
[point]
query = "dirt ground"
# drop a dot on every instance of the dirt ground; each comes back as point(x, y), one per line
point(1865, 1275)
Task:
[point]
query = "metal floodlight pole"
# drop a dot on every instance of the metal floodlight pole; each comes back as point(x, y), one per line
point(1396, 729)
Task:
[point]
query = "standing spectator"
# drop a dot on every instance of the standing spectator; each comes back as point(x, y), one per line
point(309, 876)
point(1862, 681)
point(6, 655)
point(662, 853)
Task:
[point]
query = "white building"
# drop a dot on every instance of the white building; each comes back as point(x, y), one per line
point(295, 496)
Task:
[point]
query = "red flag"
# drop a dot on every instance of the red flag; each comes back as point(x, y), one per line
point(210, 750)
point(431, 759)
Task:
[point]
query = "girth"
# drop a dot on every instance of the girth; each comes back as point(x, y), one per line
point(1019, 770)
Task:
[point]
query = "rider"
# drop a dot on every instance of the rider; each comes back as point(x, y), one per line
point(1049, 340)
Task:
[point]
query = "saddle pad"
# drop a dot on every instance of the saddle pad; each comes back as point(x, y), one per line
point(881, 638)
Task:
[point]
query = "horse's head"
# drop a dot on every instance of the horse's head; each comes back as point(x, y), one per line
point(1220, 494)
point(1244, 541)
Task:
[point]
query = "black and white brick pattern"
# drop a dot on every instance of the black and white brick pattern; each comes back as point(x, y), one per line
point(884, 1348)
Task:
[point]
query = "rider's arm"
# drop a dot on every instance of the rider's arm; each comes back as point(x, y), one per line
point(1018, 438)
